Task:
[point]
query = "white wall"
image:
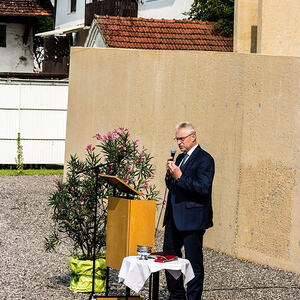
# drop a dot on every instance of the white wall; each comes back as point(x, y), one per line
point(38, 110)
point(157, 9)
point(18, 57)
point(64, 17)
point(164, 9)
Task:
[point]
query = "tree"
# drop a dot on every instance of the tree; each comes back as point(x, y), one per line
point(219, 11)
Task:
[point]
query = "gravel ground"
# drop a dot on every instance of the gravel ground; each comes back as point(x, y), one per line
point(28, 272)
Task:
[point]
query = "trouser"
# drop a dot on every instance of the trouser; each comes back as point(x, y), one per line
point(192, 242)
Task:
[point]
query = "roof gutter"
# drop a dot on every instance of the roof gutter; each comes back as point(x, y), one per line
point(62, 31)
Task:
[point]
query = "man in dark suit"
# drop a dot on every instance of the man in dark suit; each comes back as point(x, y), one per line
point(189, 209)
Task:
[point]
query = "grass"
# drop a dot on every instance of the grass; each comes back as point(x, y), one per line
point(6, 172)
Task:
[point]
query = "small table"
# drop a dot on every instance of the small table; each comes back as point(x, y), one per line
point(134, 273)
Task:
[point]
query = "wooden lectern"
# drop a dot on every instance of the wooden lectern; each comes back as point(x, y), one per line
point(129, 223)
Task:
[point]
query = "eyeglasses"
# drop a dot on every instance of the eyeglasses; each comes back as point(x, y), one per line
point(181, 139)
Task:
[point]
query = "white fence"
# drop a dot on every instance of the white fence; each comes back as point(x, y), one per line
point(38, 110)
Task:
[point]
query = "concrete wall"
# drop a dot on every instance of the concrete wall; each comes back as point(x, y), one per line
point(245, 16)
point(278, 26)
point(246, 111)
point(18, 57)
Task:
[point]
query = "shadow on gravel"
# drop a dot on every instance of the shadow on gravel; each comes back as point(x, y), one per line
point(62, 280)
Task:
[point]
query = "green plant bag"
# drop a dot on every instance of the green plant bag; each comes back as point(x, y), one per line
point(82, 275)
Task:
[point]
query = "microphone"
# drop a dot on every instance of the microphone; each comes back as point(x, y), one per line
point(173, 152)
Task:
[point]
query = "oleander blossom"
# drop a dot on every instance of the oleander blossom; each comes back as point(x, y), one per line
point(145, 185)
point(89, 147)
point(129, 161)
point(129, 168)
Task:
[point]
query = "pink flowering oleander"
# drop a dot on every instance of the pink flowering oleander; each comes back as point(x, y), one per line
point(146, 184)
point(117, 143)
point(116, 154)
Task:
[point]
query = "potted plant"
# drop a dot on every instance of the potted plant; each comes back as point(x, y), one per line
point(74, 198)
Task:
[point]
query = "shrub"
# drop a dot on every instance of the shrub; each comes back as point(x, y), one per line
point(73, 199)
point(19, 159)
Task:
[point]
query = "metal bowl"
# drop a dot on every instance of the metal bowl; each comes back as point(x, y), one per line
point(143, 251)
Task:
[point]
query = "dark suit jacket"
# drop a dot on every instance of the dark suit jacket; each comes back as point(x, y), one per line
point(189, 199)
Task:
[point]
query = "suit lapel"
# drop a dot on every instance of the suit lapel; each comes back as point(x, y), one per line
point(190, 160)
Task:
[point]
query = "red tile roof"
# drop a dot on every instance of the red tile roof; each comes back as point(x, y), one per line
point(140, 33)
point(26, 8)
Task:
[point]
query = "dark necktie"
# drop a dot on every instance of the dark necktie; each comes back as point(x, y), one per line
point(185, 157)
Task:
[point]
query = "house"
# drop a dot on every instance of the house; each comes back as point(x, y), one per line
point(18, 23)
point(75, 16)
point(140, 33)
point(72, 22)
point(73, 19)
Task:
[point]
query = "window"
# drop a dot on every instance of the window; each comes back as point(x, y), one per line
point(73, 5)
point(2, 35)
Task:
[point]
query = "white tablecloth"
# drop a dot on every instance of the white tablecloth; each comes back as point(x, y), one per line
point(135, 272)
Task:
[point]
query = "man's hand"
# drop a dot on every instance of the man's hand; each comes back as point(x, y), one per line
point(172, 169)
